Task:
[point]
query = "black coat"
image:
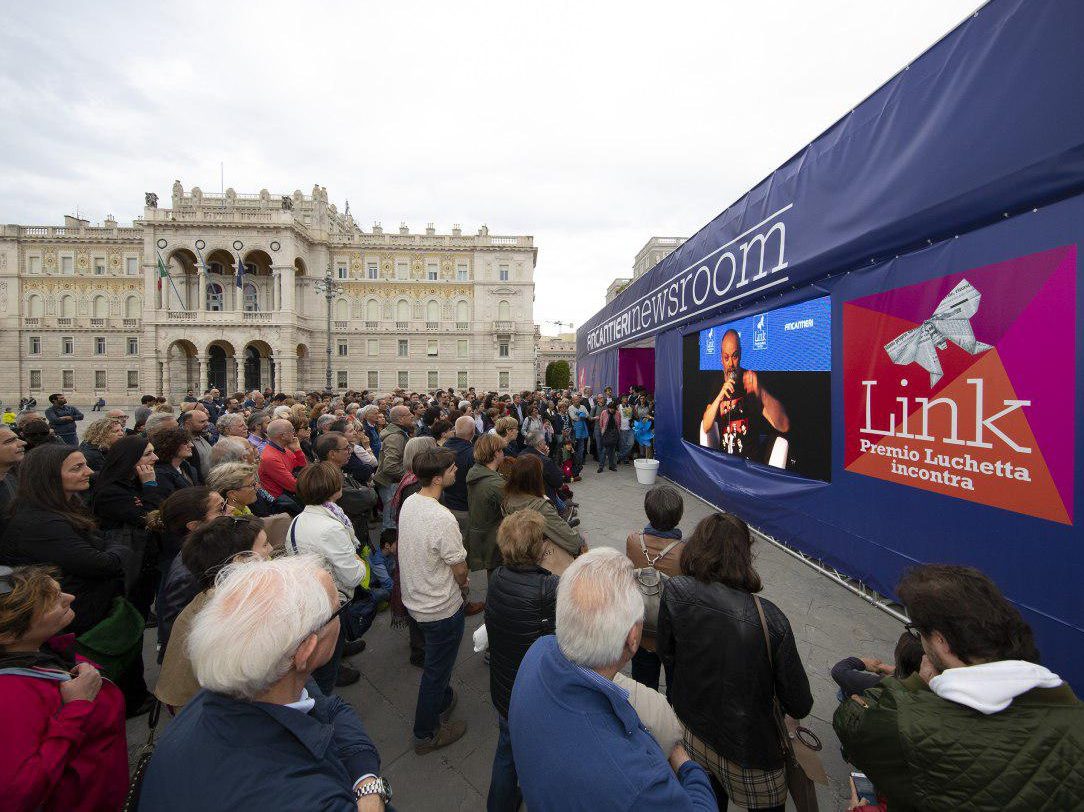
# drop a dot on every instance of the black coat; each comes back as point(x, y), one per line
point(169, 480)
point(124, 503)
point(721, 685)
point(90, 567)
point(455, 496)
point(95, 456)
point(551, 474)
point(521, 606)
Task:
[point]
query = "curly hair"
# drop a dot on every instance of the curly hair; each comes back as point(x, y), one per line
point(98, 433)
point(168, 441)
point(33, 589)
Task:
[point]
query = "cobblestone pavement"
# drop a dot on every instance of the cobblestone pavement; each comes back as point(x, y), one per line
point(828, 621)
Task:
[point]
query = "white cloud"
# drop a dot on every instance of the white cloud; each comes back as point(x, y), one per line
point(592, 126)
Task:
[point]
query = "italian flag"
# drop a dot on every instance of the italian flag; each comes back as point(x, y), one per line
point(163, 271)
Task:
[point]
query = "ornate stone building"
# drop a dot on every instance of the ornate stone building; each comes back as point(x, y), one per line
point(85, 311)
point(556, 348)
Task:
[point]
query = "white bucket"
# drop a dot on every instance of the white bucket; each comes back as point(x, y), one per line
point(646, 471)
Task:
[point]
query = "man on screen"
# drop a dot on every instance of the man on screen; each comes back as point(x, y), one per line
point(733, 422)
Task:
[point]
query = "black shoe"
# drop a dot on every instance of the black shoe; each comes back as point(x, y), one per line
point(599, 469)
point(144, 707)
point(353, 647)
point(346, 676)
point(613, 467)
point(417, 662)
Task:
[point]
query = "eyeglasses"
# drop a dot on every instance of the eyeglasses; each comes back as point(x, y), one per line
point(7, 580)
point(912, 630)
point(336, 613)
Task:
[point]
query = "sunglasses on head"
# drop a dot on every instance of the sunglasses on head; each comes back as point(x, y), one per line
point(912, 630)
point(7, 580)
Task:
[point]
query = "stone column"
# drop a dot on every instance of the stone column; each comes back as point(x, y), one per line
point(201, 385)
point(238, 374)
point(276, 290)
point(286, 379)
point(201, 291)
point(285, 300)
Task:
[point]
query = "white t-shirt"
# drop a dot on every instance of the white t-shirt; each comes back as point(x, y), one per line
point(429, 545)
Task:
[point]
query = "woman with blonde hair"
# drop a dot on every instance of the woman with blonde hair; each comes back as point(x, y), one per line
point(236, 483)
point(507, 428)
point(98, 439)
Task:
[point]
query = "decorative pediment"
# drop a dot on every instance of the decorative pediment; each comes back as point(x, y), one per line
point(505, 292)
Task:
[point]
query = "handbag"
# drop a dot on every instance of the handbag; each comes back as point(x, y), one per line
point(802, 763)
point(649, 581)
point(115, 643)
point(143, 760)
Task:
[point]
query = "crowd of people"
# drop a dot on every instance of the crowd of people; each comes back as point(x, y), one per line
point(261, 535)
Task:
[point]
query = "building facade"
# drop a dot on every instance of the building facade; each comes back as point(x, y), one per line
point(86, 311)
point(556, 348)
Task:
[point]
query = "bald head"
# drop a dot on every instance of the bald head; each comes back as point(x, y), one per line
point(401, 416)
point(464, 428)
point(280, 431)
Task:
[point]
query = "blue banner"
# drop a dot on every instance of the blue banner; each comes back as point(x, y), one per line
point(797, 338)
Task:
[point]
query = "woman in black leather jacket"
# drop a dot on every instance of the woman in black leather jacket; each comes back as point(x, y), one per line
point(521, 606)
point(712, 643)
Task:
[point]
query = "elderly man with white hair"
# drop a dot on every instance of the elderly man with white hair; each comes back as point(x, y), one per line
point(260, 735)
point(280, 458)
point(565, 701)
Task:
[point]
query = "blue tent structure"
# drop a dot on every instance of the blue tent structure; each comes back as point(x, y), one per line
point(956, 186)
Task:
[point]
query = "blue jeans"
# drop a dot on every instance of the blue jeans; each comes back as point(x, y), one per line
point(442, 638)
point(625, 445)
point(387, 494)
point(380, 584)
point(580, 449)
point(504, 794)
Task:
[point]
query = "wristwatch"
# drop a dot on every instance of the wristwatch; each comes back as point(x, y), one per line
point(379, 787)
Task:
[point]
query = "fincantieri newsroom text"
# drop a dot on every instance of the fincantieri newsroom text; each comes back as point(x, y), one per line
point(715, 279)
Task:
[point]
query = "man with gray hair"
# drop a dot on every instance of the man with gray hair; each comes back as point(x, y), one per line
point(565, 700)
point(255, 737)
point(280, 458)
point(159, 420)
point(390, 469)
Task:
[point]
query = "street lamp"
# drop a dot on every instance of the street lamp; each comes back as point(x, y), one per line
point(330, 288)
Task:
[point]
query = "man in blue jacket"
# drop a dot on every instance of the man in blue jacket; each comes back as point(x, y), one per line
point(62, 419)
point(255, 738)
point(577, 742)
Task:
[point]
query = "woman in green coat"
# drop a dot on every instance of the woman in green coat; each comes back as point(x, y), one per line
point(485, 490)
point(526, 489)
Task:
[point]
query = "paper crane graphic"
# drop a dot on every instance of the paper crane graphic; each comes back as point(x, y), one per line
point(951, 321)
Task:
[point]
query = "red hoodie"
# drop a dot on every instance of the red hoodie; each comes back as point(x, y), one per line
point(61, 757)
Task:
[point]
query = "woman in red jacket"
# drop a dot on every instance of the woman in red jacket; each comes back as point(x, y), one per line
point(63, 745)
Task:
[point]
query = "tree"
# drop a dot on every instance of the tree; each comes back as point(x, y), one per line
point(558, 374)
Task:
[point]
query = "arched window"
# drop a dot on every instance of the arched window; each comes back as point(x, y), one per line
point(503, 311)
point(402, 310)
point(100, 307)
point(252, 302)
point(214, 297)
point(462, 312)
point(342, 310)
point(35, 306)
point(67, 307)
point(131, 307)
point(372, 310)
point(214, 267)
point(432, 310)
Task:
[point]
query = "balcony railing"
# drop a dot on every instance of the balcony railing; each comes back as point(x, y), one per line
point(31, 321)
point(502, 326)
point(341, 325)
point(131, 322)
point(462, 325)
point(181, 315)
point(402, 325)
point(255, 316)
point(97, 322)
point(432, 325)
point(64, 322)
point(372, 325)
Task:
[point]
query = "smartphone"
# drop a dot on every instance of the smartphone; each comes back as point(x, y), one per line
point(863, 787)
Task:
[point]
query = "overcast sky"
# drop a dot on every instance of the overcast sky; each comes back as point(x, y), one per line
point(591, 125)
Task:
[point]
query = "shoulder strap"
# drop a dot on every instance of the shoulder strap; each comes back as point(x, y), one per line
point(651, 562)
point(643, 548)
point(777, 708)
point(293, 535)
point(764, 628)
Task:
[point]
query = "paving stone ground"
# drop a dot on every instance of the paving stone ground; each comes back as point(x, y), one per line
point(828, 621)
